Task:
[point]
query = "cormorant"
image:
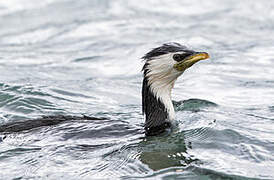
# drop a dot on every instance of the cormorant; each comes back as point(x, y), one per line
point(163, 65)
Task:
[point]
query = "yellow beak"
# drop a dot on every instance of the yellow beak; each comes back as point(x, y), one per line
point(190, 60)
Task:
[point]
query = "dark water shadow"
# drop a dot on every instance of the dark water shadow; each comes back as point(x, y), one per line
point(166, 151)
point(147, 155)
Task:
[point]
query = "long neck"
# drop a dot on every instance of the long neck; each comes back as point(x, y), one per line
point(157, 106)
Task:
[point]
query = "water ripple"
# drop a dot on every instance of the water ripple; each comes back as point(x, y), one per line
point(68, 58)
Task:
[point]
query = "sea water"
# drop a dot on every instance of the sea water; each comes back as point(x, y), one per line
point(65, 57)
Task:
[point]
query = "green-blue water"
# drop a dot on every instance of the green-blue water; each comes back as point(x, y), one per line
point(83, 57)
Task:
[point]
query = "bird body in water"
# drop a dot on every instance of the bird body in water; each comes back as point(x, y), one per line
point(163, 65)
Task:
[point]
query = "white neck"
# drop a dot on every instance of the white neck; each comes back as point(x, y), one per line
point(161, 81)
point(163, 93)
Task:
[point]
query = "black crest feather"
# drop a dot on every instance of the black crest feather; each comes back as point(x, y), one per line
point(164, 49)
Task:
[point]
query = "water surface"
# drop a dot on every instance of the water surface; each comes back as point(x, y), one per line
point(67, 57)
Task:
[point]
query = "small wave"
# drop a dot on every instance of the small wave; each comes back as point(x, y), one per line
point(271, 108)
point(2, 138)
point(193, 105)
point(189, 172)
point(213, 174)
point(89, 58)
point(199, 134)
point(18, 151)
point(24, 99)
point(203, 134)
point(121, 162)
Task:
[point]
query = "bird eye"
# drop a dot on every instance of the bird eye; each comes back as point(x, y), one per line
point(177, 57)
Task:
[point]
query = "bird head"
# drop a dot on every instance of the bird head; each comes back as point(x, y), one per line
point(169, 61)
point(163, 65)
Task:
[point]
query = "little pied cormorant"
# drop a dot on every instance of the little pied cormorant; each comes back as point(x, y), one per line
point(163, 65)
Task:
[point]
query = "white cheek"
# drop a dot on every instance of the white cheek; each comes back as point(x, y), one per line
point(161, 64)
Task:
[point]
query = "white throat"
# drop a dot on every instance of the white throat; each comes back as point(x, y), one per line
point(161, 78)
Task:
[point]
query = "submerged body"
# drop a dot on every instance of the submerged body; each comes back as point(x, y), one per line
point(40, 122)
